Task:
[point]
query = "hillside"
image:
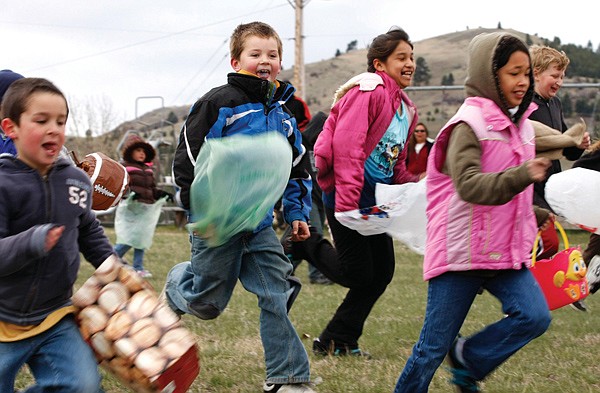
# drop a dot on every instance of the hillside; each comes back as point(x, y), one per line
point(443, 55)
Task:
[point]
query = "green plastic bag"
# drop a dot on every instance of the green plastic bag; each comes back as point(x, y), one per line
point(135, 222)
point(237, 180)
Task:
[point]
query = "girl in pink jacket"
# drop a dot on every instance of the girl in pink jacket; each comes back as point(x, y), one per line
point(481, 226)
point(363, 142)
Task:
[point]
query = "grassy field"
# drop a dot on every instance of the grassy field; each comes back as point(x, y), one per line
point(562, 360)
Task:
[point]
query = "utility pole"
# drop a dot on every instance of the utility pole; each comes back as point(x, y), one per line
point(299, 47)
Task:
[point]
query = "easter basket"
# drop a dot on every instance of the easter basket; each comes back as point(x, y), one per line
point(562, 277)
point(133, 334)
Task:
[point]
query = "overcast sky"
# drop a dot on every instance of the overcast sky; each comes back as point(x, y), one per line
point(122, 50)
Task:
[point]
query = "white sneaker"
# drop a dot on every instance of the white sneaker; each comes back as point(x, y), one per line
point(593, 274)
point(291, 388)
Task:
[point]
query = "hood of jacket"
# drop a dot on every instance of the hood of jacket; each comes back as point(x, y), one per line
point(482, 71)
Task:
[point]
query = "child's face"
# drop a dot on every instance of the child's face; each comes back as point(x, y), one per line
point(514, 78)
point(400, 65)
point(41, 133)
point(548, 82)
point(259, 57)
point(139, 154)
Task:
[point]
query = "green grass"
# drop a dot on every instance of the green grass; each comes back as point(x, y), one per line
point(562, 360)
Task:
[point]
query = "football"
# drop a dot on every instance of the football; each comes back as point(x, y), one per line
point(110, 180)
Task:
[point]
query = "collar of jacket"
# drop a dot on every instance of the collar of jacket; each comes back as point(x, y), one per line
point(261, 90)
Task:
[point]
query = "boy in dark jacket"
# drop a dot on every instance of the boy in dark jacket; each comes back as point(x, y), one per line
point(45, 222)
point(251, 103)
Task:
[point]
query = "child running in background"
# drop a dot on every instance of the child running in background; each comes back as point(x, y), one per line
point(45, 222)
point(136, 155)
point(250, 103)
point(481, 225)
point(549, 67)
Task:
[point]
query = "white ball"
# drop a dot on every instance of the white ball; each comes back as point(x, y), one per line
point(151, 362)
point(113, 296)
point(145, 333)
point(109, 269)
point(118, 325)
point(142, 304)
point(93, 319)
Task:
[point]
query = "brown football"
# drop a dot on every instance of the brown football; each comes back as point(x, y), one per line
point(109, 179)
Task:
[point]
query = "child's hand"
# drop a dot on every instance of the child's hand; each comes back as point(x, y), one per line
point(536, 168)
point(585, 143)
point(52, 237)
point(300, 231)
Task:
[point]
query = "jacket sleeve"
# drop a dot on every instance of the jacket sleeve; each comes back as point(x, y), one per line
point(463, 163)
point(297, 195)
point(348, 147)
point(191, 139)
point(93, 243)
point(20, 250)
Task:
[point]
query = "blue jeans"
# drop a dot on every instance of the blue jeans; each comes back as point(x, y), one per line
point(138, 255)
point(59, 359)
point(448, 301)
point(204, 286)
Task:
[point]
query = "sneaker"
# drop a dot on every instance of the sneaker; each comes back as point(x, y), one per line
point(462, 379)
point(321, 280)
point(579, 305)
point(593, 274)
point(322, 349)
point(291, 388)
point(144, 273)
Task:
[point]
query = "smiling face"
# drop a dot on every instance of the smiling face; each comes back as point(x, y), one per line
point(40, 134)
point(400, 65)
point(260, 57)
point(548, 82)
point(514, 78)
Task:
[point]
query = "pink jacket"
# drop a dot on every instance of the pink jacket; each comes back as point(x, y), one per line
point(356, 124)
point(463, 236)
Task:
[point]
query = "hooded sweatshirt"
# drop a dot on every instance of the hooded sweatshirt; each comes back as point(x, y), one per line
point(480, 215)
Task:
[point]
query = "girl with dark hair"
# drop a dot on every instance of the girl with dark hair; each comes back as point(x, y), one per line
point(481, 225)
point(363, 142)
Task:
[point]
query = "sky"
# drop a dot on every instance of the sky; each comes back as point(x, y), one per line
point(135, 56)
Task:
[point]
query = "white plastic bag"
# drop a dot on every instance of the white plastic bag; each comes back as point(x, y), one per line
point(400, 212)
point(237, 181)
point(573, 194)
point(135, 222)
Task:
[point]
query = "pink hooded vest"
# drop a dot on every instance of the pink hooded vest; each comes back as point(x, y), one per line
point(463, 236)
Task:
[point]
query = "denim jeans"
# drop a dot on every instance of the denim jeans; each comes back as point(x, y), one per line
point(204, 286)
point(59, 359)
point(138, 255)
point(448, 301)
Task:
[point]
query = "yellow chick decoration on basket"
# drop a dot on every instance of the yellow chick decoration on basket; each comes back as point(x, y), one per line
point(575, 272)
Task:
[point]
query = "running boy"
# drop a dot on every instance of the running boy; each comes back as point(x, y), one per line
point(250, 103)
point(45, 221)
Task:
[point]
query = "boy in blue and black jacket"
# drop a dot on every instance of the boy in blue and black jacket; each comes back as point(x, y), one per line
point(252, 102)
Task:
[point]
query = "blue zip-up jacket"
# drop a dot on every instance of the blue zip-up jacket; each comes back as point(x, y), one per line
point(34, 283)
point(245, 105)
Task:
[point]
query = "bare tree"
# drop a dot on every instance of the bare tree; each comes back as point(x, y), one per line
point(92, 113)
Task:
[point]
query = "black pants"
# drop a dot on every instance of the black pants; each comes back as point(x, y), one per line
point(364, 264)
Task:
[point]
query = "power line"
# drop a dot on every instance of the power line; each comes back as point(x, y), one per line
point(152, 39)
